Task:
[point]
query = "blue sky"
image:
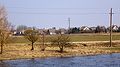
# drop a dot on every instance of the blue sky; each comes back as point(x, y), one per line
point(55, 13)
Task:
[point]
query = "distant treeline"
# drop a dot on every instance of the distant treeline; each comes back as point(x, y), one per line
point(98, 29)
point(51, 31)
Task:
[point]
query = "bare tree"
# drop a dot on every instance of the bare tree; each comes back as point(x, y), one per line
point(32, 36)
point(4, 28)
point(61, 41)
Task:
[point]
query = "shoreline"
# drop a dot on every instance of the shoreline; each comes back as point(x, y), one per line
point(58, 56)
point(55, 57)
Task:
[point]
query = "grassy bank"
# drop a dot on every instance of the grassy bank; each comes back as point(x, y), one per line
point(22, 50)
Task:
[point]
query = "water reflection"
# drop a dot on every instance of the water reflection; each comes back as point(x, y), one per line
point(111, 60)
point(4, 64)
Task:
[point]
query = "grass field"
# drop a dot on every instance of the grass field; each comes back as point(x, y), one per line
point(74, 38)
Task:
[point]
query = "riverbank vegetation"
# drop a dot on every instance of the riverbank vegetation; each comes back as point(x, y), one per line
point(22, 50)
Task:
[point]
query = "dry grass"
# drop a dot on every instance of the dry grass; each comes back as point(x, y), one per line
point(22, 50)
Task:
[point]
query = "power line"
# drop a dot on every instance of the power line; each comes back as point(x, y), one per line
point(57, 8)
point(55, 13)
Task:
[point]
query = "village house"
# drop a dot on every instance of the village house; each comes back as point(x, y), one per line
point(115, 28)
point(41, 31)
point(63, 31)
point(52, 31)
point(85, 29)
point(93, 29)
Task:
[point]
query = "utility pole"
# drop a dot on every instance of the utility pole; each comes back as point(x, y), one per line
point(69, 26)
point(111, 13)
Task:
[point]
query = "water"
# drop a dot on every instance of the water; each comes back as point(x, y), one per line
point(110, 60)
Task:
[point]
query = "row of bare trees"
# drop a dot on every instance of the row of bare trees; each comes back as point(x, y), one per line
point(61, 41)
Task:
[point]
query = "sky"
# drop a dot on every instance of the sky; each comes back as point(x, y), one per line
point(55, 13)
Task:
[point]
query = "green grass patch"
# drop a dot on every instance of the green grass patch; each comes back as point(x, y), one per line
point(74, 38)
point(79, 38)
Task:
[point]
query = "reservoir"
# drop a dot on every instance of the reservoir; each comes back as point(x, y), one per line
point(109, 60)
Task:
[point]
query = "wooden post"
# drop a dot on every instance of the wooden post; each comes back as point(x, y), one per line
point(43, 38)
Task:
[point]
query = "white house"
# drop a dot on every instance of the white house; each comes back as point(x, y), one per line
point(115, 28)
point(52, 31)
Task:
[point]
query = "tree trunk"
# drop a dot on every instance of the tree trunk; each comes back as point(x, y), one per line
point(32, 47)
point(1, 49)
point(61, 49)
point(43, 48)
